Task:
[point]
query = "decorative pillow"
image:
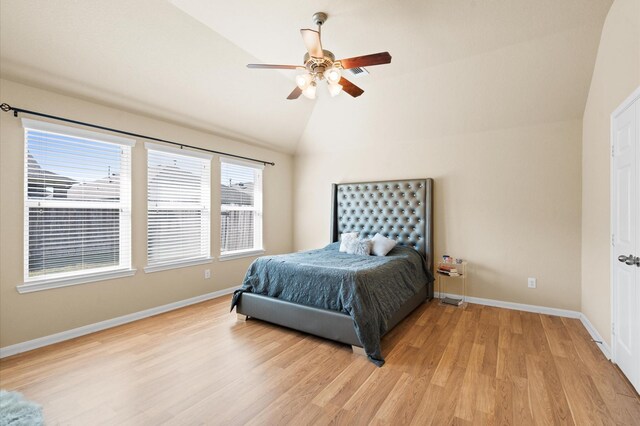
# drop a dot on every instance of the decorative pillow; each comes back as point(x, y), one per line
point(359, 247)
point(345, 238)
point(382, 245)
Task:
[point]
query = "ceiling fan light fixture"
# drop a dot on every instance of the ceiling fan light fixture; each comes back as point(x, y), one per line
point(334, 89)
point(321, 64)
point(303, 80)
point(310, 91)
point(333, 75)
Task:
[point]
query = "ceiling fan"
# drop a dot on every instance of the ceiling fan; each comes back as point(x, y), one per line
point(321, 64)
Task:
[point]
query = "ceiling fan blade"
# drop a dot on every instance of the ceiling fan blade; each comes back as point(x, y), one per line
point(274, 67)
point(311, 39)
point(350, 88)
point(366, 60)
point(295, 94)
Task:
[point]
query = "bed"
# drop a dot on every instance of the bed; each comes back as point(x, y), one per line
point(348, 304)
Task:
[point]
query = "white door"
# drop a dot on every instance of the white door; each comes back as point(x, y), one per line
point(625, 209)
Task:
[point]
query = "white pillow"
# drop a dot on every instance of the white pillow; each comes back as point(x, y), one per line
point(381, 245)
point(345, 239)
point(359, 247)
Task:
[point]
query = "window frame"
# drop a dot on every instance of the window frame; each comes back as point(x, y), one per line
point(181, 263)
point(258, 209)
point(63, 279)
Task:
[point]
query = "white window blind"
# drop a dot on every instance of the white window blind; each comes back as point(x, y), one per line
point(178, 206)
point(77, 202)
point(241, 207)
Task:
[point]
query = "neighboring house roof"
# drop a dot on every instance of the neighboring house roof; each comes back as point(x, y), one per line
point(39, 180)
point(47, 184)
point(167, 193)
point(239, 194)
point(106, 188)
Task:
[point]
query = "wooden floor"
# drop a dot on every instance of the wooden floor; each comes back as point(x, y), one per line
point(445, 365)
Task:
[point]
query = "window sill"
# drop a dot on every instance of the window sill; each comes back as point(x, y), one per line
point(177, 264)
point(240, 254)
point(46, 284)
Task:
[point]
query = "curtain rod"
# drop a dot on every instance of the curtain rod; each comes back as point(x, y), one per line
point(6, 108)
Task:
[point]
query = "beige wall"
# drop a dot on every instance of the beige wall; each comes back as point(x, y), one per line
point(522, 183)
point(616, 75)
point(507, 200)
point(28, 316)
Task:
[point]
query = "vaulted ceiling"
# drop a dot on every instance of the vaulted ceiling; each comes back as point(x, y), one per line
point(472, 64)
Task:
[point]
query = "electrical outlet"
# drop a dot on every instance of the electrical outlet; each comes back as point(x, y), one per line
point(532, 282)
point(207, 274)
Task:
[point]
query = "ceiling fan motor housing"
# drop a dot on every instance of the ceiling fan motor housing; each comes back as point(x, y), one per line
point(319, 65)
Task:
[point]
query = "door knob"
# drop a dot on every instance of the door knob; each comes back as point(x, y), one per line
point(630, 260)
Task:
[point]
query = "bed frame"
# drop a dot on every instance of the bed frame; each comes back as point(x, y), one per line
point(400, 209)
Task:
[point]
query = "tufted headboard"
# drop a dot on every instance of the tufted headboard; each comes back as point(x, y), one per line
point(398, 209)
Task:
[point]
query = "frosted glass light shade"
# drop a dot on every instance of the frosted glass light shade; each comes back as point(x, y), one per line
point(310, 91)
point(303, 80)
point(332, 75)
point(334, 89)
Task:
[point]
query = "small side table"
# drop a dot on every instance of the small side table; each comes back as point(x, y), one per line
point(442, 278)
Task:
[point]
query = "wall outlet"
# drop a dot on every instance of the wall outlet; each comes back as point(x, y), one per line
point(207, 274)
point(532, 282)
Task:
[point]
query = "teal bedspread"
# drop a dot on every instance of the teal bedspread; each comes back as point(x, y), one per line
point(368, 288)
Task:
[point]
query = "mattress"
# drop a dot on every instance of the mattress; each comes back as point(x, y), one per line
point(370, 289)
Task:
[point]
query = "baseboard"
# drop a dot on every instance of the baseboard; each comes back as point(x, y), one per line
point(102, 325)
point(604, 347)
point(519, 306)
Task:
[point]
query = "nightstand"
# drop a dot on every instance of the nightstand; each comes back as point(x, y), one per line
point(454, 271)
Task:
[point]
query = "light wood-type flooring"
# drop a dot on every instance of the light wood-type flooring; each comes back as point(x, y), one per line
point(445, 365)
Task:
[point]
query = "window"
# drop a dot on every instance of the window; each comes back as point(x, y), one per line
point(77, 206)
point(241, 208)
point(178, 207)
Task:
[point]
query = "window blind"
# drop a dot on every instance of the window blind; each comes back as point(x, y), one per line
point(77, 216)
point(241, 206)
point(178, 205)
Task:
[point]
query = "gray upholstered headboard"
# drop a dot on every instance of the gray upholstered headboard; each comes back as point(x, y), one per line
point(399, 209)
